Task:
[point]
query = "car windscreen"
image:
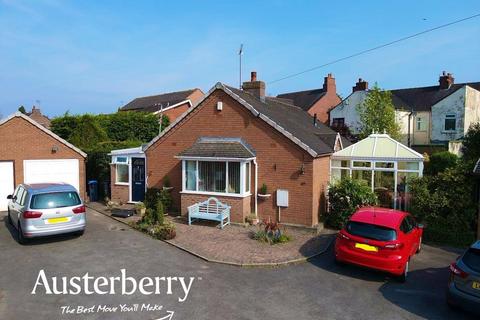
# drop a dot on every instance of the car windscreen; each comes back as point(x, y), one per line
point(472, 259)
point(55, 200)
point(371, 231)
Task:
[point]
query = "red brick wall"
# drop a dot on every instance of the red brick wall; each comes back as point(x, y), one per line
point(20, 140)
point(240, 206)
point(174, 113)
point(321, 178)
point(323, 105)
point(279, 159)
point(119, 193)
point(196, 96)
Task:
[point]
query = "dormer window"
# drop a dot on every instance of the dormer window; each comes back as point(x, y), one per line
point(450, 122)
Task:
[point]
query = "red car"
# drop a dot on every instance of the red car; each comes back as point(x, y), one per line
point(380, 238)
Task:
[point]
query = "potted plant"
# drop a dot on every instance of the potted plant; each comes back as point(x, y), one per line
point(251, 219)
point(166, 184)
point(263, 194)
point(140, 208)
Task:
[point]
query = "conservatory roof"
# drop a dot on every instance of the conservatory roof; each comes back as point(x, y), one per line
point(378, 147)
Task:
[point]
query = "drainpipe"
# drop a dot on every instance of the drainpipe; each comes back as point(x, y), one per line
point(256, 185)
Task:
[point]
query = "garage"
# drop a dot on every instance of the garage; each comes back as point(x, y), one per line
point(30, 153)
point(51, 170)
point(7, 182)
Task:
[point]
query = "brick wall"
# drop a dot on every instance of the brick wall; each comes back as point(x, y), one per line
point(20, 140)
point(323, 105)
point(174, 113)
point(119, 193)
point(279, 159)
point(240, 206)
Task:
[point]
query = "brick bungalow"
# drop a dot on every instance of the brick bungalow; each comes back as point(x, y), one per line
point(30, 153)
point(234, 141)
point(316, 101)
point(171, 104)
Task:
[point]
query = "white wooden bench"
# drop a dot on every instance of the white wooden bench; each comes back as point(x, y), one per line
point(211, 209)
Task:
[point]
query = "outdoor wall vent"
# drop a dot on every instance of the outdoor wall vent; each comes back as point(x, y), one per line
point(219, 106)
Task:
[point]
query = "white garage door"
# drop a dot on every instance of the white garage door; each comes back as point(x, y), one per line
point(7, 184)
point(45, 171)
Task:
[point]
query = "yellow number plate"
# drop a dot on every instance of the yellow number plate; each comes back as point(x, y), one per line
point(366, 247)
point(57, 220)
point(476, 285)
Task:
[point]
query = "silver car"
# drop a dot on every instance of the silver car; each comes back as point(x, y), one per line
point(464, 285)
point(37, 210)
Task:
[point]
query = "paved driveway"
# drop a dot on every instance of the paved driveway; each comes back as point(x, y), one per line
point(315, 290)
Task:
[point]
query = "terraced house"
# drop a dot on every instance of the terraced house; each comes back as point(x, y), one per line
point(432, 115)
point(258, 154)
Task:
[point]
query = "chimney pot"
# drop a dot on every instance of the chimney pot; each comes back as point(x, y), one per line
point(446, 80)
point(255, 87)
point(361, 85)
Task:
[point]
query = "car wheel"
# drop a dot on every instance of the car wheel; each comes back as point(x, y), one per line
point(404, 275)
point(419, 245)
point(9, 219)
point(20, 237)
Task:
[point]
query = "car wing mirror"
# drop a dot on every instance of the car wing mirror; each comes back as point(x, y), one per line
point(10, 197)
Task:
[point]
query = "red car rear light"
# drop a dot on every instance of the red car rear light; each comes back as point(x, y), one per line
point(31, 214)
point(457, 271)
point(394, 246)
point(80, 209)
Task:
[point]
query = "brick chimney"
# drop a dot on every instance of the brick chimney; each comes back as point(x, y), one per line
point(446, 80)
point(329, 84)
point(257, 88)
point(361, 85)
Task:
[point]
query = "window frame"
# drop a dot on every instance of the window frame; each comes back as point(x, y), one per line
point(450, 116)
point(244, 165)
point(123, 183)
point(420, 121)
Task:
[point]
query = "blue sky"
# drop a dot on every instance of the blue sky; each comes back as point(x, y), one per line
point(92, 56)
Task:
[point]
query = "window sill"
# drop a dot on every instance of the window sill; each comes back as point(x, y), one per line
point(218, 194)
point(122, 183)
point(449, 131)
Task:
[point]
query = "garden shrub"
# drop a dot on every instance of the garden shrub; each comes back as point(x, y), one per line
point(444, 203)
point(152, 196)
point(440, 161)
point(345, 197)
point(160, 213)
point(165, 231)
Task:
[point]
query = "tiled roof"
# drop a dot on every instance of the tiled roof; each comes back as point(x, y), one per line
point(423, 98)
point(289, 120)
point(155, 103)
point(213, 147)
point(303, 99)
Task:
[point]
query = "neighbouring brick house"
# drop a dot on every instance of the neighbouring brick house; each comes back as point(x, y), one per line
point(30, 153)
point(171, 104)
point(316, 101)
point(37, 115)
point(234, 141)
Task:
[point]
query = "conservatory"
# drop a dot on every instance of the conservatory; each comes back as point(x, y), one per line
point(384, 164)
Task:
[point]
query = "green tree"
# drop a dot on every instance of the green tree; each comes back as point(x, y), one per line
point(88, 133)
point(377, 114)
point(22, 110)
point(64, 125)
point(165, 122)
point(471, 143)
point(440, 161)
point(121, 126)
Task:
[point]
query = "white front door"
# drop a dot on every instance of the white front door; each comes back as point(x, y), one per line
point(52, 171)
point(7, 183)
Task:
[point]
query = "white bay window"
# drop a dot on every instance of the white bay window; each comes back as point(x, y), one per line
point(216, 177)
